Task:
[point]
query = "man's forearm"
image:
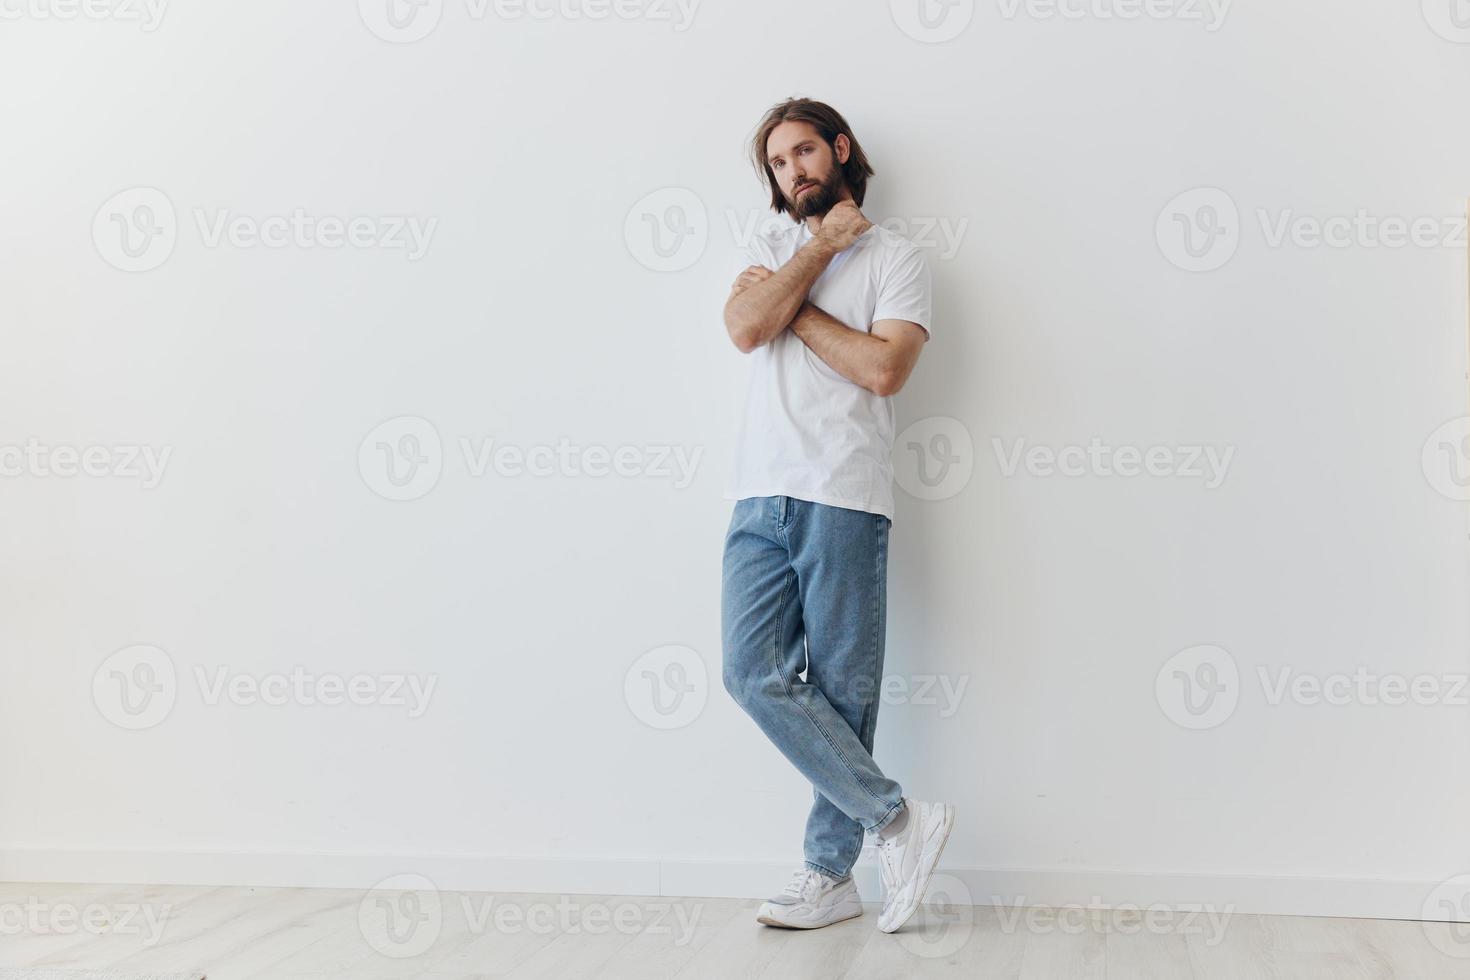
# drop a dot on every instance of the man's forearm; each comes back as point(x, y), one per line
point(859, 357)
point(759, 312)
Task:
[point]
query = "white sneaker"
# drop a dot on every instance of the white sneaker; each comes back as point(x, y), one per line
point(907, 859)
point(811, 900)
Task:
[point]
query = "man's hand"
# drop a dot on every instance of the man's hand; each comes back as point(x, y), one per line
point(842, 225)
point(752, 275)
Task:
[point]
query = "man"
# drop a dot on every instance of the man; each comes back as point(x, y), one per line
point(834, 313)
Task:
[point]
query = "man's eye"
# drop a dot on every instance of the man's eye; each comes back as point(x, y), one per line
point(777, 165)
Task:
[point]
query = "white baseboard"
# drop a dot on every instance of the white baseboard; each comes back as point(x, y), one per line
point(1240, 894)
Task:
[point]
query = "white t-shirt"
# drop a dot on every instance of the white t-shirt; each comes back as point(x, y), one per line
point(808, 432)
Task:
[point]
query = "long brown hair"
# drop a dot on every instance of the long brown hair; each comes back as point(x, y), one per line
point(829, 123)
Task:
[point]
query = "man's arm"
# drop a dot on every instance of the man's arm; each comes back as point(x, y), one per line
point(880, 361)
point(762, 303)
point(760, 310)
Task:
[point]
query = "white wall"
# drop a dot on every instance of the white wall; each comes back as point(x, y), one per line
point(1051, 146)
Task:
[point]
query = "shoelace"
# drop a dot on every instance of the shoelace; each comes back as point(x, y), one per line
point(800, 883)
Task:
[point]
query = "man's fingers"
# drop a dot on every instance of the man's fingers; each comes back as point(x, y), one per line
point(752, 275)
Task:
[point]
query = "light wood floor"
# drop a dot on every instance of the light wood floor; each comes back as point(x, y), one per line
point(297, 933)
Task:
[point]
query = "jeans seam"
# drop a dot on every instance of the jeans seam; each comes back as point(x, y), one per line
point(887, 817)
point(873, 649)
point(786, 689)
point(869, 709)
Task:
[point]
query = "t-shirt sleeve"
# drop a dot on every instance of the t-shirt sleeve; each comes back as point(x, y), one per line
point(758, 252)
point(905, 293)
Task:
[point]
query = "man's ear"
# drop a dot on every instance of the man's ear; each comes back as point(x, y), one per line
point(842, 147)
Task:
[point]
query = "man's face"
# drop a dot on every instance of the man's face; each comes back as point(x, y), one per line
point(807, 173)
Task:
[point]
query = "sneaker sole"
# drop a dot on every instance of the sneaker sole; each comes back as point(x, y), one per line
point(926, 869)
point(770, 921)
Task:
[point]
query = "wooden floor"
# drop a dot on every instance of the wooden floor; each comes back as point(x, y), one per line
point(234, 933)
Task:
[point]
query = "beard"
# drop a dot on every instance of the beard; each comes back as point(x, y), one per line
point(819, 201)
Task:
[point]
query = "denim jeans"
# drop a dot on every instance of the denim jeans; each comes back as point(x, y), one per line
point(805, 587)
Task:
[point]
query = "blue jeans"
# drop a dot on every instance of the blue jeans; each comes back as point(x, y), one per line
point(795, 571)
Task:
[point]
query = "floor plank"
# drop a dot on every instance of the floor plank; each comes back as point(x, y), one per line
point(332, 934)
